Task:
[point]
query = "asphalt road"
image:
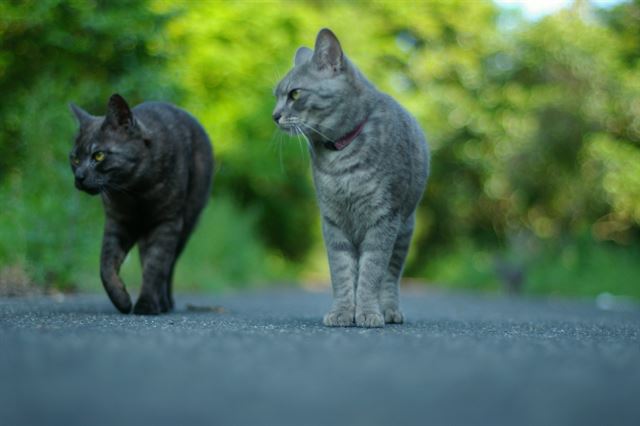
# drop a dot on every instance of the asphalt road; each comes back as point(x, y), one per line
point(265, 359)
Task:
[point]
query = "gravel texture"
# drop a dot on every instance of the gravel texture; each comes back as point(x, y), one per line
point(264, 358)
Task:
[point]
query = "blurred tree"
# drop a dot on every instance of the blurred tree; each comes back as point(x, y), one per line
point(534, 126)
point(227, 61)
point(87, 48)
point(54, 52)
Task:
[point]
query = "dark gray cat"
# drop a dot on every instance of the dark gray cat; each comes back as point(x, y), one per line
point(152, 166)
point(370, 166)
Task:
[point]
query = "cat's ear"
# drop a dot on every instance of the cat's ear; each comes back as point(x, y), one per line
point(303, 54)
point(119, 114)
point(327, 54)
point(82, 116)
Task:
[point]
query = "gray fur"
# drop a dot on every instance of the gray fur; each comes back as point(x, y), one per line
point(367, 192)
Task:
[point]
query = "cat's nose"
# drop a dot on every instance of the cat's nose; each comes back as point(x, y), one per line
point(81, 175)
point(276, 117)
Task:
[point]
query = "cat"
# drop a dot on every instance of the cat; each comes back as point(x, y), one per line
point(153, 167)
point(370, 164)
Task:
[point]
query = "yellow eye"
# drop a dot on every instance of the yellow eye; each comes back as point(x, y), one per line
point(294, 94)
point(75, 160)
point(98, 156)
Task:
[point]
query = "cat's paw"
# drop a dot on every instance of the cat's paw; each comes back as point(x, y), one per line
point(166, 304)
point(393, 316)
point(369, 319)
point(339, 318)
point(147, 306)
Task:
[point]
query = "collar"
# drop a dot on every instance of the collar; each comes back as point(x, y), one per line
point(344, 141)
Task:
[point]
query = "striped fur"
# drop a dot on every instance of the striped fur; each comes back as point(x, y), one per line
point(367, 192)
point(154, 180)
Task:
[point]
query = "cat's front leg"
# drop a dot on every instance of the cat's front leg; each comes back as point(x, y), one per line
point(158, 255)
point(375, 253)
point(116, 243)
point(343, 264)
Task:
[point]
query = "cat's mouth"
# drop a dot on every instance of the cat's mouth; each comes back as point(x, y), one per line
point(291, 126)
point(88, 188)
point(291, 131)
point(288, 128)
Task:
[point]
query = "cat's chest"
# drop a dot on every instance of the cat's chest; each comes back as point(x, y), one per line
point(348, 196)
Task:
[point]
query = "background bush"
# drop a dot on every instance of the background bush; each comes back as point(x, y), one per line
point(534, 129)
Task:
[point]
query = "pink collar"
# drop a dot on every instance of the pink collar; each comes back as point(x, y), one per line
point(344, 141)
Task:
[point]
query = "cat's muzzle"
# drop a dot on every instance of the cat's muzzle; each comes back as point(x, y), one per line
point(287, 128)
point(87, 187)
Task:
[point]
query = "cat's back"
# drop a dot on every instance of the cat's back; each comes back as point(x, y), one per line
point(164, 117)
point(181, 149)
point(399, 123)
point(178, 131)
point(401, 136)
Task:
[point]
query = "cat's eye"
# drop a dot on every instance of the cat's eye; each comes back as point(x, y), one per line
point(98, 156)
point(294, 94)
point(75, 161)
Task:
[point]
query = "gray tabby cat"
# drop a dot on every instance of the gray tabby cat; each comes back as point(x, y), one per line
point(370, 166)
point(152, 166)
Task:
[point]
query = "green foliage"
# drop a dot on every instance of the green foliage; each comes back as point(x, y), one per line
point(84, 52)
point(465, 266)
point(84, 49)
point(46, 220)
point(582, 268)
point(577, 267)
point(220, 257)
point(534, 129)
point(54, 52)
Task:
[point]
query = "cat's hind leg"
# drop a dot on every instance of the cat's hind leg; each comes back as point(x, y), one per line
point(168, 293)
point(165, 298)
point(186, 231)
point(375, 253)
point(389, 291)
point(158, 255)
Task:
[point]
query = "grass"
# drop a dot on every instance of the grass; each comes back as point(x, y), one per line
point(586, 269)
point(50, 233)
point(222, 253)
point(582, 267)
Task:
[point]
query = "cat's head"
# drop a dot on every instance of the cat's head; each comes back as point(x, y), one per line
point(320, 95)
point(108, 151)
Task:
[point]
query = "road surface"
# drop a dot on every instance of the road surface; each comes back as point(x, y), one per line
point(264, 358)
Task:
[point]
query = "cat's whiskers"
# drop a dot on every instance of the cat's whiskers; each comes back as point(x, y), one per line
point(277, 76)
point(291, 124)
point(298, 131)
point(313, 129)
point(310, 148)
point(280, 156)
point(277, 140)
point(274, 135)
point(322, 126)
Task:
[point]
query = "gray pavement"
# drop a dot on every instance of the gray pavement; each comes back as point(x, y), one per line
point(264, 358)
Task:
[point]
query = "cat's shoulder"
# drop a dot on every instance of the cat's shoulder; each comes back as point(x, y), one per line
point(392, 110)
point(162, 111)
